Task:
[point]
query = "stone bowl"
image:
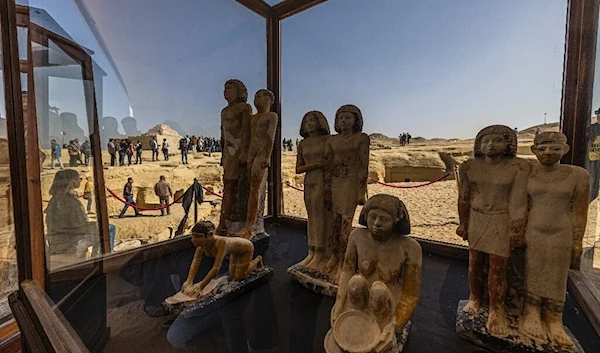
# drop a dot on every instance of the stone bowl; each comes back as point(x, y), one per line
point(356, 332)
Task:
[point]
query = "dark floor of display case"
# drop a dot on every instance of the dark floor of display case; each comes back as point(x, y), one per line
point(283, 316)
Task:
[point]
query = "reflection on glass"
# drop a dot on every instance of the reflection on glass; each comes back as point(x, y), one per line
point(8, 258)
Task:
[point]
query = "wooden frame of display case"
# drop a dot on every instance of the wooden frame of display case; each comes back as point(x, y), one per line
point(580, 53)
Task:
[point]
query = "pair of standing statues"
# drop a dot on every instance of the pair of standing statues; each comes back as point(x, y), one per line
point(375, 272)
point(507, 203)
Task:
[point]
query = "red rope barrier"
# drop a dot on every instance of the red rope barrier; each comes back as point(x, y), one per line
point(293, 187)
point(212, 192)
point(412, 186)
point(143, 208)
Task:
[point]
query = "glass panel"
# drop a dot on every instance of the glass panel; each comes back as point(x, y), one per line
point(8, 259)
point(441, 84)
point(590, 262)
point(157, 73)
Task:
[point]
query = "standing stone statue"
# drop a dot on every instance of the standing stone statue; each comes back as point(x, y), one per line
point(558, 207)
point(492, 209)
point(235, 137)
point(311, 160)
point(347, 156)
point(380, 283)
point(262, 136)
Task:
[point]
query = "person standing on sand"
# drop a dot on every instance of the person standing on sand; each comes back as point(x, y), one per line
point(162, 189)
point(165, 149)
point(112, 150)
point(87, 193)
point(154, 148)
point(138, 152)
point(130, 151)
point(56, 154)
point(128, 196)
point(183, 147)
point(86, 149)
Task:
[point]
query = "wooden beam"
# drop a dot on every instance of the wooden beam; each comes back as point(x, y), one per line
point(578, 77)
point(258, 6)
point(22, 142)
point(289, 8)
point(99, 185)
point(274, 84)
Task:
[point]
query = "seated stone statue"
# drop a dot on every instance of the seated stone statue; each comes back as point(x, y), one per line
point(240, 253)
point(380, 282)
point(558, 203)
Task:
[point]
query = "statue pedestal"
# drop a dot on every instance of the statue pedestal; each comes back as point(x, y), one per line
point(473, 328)
point(221, 295)
point(313, 280)
point(401, 339)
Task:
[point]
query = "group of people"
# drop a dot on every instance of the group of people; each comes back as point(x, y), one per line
point(78, 154)
point(404, 138)
point(124, 148)
point(288, 145)
point(162, 189)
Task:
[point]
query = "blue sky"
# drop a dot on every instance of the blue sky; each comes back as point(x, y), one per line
point(435, 68)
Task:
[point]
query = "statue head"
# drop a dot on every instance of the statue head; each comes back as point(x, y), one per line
point(496, 140)
point(314, 121)
point(202, 232)
point(264, 99)
point(383, 214)
point(64, 181)
point(130, 126)
point(109, 124)
point(235, 90)
point(348, 115)
point(550, 147)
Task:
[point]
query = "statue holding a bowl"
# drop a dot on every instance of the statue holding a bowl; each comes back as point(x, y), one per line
point(380, 282)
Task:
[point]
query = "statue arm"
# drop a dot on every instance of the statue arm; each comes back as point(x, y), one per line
point(518, 205)
point(271, 131)
point(301, 166)
point(363, 173)
point(193, 268)
point(327, 176)
point(411, 287)
point(348, 270)
point(579, 213)
point(246, 134)
point(221, 252)
point(464, 201)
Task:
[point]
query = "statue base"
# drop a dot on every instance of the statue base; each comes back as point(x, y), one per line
point(473, 328)
point(401, 340)
point(313, 280)
point(221, 295)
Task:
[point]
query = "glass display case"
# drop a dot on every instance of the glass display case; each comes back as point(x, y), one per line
point(112, 147)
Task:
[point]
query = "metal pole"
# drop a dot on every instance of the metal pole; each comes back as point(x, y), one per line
point(195, 202)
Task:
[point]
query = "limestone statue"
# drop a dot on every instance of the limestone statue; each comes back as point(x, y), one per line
point(235, 137)
point(558, 208)
point(311, 160)
point(492, 210)
point(241, 264)
point(347, 157)
point(379, 286)
point(130, 126)
point(262, 137)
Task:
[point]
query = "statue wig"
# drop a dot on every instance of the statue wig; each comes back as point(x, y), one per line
point(393, 206)
point(509, 136)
